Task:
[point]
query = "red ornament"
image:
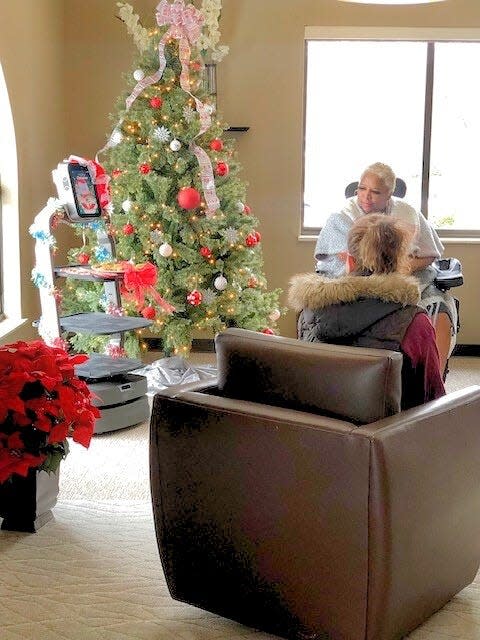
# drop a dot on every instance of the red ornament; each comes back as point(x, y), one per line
point(251, 240)
point(205, 252)
point(128, 229)
point(222, 169)
point(268, 331)
point(246, 210)
point(145, 168)
point(156, 102)
point(194, 298)
point(148, 312)
point(188, 198)
point(195, 65)
point(116, 173)
point(252, 282)
point(83, 258)
point(257, 235)
point(216, 144)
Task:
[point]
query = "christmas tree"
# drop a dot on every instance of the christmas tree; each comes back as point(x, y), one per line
point(178, 202)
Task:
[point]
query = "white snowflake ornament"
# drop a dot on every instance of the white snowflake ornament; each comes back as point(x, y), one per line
point(230, 234)
point(155, 236)
point(162, 134)
point(188, 113)
point(208, 296)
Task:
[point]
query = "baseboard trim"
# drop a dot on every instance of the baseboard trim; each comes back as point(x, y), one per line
point(203, 345)
point(467, 350)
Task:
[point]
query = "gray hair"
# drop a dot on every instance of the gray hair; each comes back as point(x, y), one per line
point(383, 173)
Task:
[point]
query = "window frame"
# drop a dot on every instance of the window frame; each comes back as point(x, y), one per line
point(10, 264)
point(429, 35)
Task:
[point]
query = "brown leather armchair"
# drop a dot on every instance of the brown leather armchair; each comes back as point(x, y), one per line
point(293, 496)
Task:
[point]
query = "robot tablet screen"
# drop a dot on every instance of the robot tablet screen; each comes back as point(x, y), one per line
point(84, 193)
point(76, 190)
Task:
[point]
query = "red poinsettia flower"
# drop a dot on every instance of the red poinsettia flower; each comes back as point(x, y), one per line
point(11, 463)
point(42, 402)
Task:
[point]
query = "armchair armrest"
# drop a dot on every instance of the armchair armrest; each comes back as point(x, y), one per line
point(424, 514)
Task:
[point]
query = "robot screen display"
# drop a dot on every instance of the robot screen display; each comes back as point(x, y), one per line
point(84, 193)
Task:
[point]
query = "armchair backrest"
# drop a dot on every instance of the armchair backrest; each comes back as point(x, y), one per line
point(353, 383)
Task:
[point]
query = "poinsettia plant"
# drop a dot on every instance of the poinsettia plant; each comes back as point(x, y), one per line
point(42, 403)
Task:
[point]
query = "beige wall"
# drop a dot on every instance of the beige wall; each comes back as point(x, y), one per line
point(31, 54)
point(260, 85)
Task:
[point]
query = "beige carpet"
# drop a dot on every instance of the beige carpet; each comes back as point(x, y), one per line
point(94, 573)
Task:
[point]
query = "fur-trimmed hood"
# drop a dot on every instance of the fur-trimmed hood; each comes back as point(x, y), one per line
point(311, 291)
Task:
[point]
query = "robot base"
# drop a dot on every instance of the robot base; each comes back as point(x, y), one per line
point(121, 400)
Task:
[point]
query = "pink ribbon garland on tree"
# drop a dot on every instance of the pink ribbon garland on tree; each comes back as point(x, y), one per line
point(185, 25)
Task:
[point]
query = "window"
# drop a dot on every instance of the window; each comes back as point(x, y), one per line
point(408, 99)
point(10, 316)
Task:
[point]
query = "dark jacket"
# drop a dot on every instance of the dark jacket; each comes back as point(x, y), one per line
point(378, 311)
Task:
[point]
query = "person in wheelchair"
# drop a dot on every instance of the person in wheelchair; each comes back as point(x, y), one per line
point(374, 305)
point(374, 195)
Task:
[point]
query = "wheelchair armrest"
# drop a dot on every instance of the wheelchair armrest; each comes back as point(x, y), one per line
point(449, 273)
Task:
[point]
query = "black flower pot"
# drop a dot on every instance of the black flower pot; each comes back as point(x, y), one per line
point(26, 502)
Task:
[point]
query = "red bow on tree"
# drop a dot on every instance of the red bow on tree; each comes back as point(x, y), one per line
point(139, 281)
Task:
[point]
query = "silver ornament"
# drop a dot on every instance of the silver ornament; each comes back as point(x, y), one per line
point(165, 250)
point(175, 144)
point(240, 207)
point(275, 315)
point(126, 205)
point(139, 74)
point(220, 283)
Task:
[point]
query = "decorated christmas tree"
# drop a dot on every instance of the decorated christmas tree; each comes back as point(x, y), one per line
point(179, 210)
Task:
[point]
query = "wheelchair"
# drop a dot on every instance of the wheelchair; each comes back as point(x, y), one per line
point(448, 271)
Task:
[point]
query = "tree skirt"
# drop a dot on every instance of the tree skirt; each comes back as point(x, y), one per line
point(174, 370)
